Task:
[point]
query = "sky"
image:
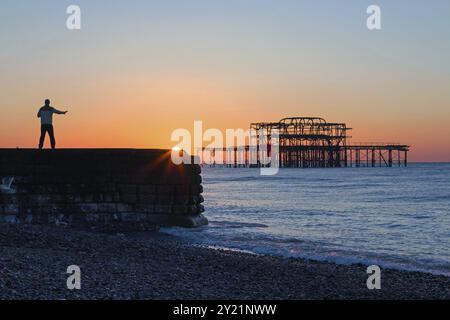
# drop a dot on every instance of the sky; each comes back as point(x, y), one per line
point(138, 70)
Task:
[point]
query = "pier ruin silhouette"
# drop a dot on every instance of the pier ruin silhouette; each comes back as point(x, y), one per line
point(308, 142)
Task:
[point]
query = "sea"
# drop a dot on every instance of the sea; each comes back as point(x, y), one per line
point(392, 217)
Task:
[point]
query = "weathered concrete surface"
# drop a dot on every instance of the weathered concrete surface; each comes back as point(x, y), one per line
point(84, 187)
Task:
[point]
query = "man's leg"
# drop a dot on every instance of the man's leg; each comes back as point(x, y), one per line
point(42, 138)
point(51, 133)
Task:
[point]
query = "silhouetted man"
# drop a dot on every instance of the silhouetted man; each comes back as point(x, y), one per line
point(46, 115)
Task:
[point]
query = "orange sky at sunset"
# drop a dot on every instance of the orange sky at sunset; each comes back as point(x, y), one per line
point(133, 75)
point(145, 114)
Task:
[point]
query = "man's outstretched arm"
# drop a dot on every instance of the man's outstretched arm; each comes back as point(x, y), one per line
point(59, 112)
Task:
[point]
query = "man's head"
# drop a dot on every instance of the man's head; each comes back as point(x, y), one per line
point(47, 102)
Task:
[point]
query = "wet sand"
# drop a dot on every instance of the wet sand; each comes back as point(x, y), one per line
point(34, 261)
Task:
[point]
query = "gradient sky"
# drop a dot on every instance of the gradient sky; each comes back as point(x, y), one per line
point(140, 69)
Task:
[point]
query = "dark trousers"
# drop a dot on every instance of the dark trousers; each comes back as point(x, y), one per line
point(44, 129)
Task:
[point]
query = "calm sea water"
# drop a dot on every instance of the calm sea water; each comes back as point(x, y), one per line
point(393, 217)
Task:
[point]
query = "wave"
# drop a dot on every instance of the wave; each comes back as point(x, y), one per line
point(229, 224)
point(390, 217)
point(310, 250)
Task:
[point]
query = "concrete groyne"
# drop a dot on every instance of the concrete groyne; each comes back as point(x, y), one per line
point(84, 187)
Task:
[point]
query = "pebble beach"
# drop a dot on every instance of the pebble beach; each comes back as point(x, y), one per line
point(151, 265)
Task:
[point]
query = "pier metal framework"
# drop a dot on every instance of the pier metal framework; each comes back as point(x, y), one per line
point(312, 142)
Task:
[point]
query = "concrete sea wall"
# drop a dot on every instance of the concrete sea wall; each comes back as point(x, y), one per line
point(85, 187)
